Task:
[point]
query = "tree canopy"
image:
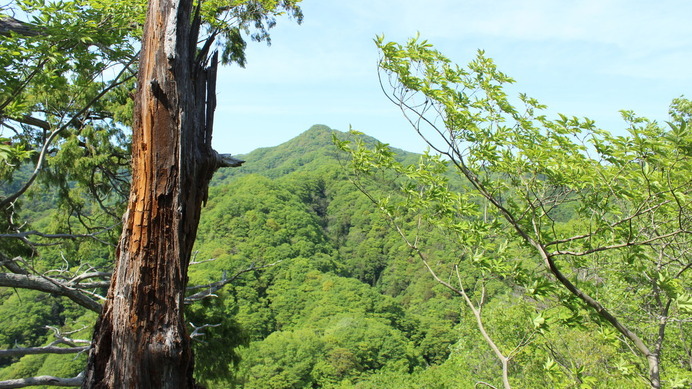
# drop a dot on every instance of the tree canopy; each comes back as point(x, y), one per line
point(566, 210)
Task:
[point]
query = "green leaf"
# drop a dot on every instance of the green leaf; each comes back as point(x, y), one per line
point(539, 321)
point(684, 302)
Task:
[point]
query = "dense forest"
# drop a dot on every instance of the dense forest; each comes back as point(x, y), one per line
point(323, 292)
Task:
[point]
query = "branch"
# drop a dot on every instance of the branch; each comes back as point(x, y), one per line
point(43, 380)
point(62, 339)
point(32, 121)
point(615, 246)
point(627, 219)
point(27, 80)
point(48, 285)
point(44, 150)
point(197, 330)
point(23, 235)
point(484, 383)
point(11, 264)
point(504, 360)
point(9, 25)
point(212, 288)
point(85, 276)
point(22, 351)
point(594, 304)
point(226, 160)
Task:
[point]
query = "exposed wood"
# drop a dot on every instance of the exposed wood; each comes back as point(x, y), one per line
point(227, 160)
point(42, 380)
point(21, 351)
point(140, 340)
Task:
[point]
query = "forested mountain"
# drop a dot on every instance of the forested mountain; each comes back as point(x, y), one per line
point(329, 296)
point(346, 303)
point(321, 291)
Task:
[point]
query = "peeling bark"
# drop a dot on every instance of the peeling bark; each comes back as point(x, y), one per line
point(140, 340)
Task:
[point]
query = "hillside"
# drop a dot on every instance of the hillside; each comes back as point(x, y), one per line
point(343, 280)
point(345, 303)
point(311, 151)
point(323, 293)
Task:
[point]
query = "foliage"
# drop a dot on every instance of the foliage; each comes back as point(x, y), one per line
point(313, 293)
point(316, 317)
point(233, 19)
point(601, 222)
point(64, 86)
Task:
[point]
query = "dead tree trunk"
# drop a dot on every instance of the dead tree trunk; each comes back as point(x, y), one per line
point(140, 340)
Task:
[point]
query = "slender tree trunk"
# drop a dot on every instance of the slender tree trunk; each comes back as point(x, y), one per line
point(140, 340)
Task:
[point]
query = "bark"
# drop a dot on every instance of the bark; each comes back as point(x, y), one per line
point(9, 25)
point(140, 339)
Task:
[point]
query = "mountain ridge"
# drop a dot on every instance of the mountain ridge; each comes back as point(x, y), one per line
point(305, 152)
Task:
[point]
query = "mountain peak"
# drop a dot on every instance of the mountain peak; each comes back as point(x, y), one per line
point(312, 150)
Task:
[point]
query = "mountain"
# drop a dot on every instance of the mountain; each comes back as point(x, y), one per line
point(341, 280)
point(311, 151)
point(322, 292)
point(342, 301)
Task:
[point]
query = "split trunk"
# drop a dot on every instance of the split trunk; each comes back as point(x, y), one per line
point(140, 340)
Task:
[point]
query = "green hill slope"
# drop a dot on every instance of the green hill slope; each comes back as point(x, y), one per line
point(323, 293)
point(338, 277)
point(311, 151)
point(344, 303)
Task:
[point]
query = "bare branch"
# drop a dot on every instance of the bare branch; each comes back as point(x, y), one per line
point(194, 260)
point(62, 339)
point(227, 160)
point(214, 287)
point(197, 330)
point(21, 351)
point(25, 234)
point(49, 285)
point(85, 276)
point(43, 380)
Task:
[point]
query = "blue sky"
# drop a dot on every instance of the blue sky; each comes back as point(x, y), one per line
point(585, 58)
